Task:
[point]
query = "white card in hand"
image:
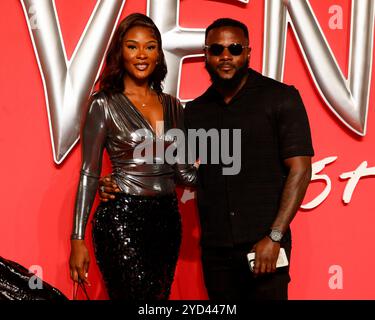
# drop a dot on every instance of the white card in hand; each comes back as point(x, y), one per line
point(282, 260)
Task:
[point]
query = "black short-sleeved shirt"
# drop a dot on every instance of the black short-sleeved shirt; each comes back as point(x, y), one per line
point(241, 208)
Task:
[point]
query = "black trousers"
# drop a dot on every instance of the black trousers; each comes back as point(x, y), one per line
point(228, 277)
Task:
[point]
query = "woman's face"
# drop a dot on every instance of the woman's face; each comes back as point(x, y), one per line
point(140, 51)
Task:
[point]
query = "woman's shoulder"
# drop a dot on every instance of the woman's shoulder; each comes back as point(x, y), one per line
point(173, 101)
point(98, 104)
point(99, 100)
point(99, 96)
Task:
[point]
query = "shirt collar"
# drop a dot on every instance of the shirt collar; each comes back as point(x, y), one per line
point(254, 80)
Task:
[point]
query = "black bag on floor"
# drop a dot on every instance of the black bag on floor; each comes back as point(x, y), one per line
point(15, 284)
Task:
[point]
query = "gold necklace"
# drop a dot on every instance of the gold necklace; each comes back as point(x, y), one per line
point(143, 105)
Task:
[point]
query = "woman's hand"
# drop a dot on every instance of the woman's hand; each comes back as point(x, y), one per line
point(79, 262)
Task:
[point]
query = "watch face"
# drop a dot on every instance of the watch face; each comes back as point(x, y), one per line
point(276, 235)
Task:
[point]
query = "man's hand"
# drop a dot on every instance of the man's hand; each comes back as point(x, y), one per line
point(266, 254)
point(107, 188)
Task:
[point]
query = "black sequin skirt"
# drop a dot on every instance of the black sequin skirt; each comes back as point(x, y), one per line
point(136, 241)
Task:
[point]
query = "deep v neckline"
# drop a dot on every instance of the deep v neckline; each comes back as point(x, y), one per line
point(142, 117)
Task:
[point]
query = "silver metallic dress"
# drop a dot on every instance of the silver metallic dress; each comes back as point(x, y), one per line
point(136, 236)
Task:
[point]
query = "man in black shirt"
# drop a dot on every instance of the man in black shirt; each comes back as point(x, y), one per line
point(252, 209)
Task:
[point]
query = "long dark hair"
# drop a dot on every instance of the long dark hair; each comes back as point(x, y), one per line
point(112, 78)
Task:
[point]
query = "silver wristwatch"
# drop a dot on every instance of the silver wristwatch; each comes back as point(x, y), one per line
point(275, 235)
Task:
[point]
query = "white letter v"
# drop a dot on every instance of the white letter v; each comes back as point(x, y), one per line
point(68, 84)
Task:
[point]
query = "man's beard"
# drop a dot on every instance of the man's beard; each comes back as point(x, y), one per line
point(231, 83)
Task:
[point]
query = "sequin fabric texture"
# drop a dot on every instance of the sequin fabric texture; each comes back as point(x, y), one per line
point(137, 241)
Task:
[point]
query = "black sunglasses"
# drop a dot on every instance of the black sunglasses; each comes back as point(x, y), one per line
point(216, 49)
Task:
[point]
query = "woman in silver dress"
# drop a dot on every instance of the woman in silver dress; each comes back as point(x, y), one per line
point(136, 236)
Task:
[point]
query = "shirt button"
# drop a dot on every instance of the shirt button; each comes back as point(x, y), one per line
point(232, 213)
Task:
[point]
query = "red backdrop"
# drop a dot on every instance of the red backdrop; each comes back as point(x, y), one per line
point(37, 196)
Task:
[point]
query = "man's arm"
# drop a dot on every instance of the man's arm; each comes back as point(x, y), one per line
point(294, 191)
point(107, 188)
point(299, 176)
